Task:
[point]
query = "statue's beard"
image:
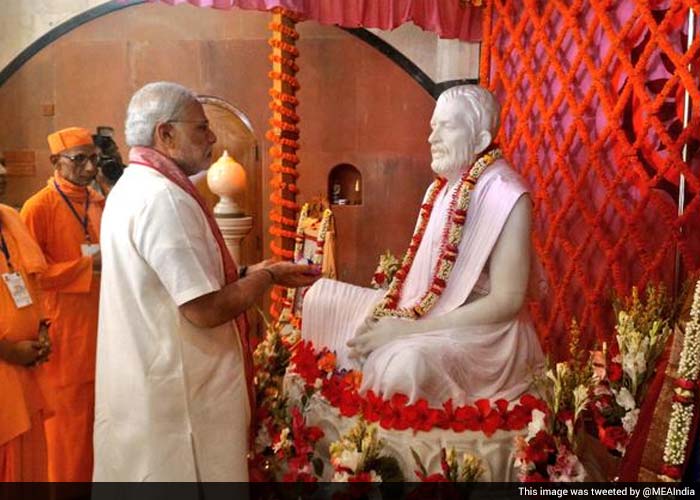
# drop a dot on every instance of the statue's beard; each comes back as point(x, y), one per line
point(450, 165)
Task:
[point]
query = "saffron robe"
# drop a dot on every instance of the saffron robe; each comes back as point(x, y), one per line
point(22, 404)
point(462, 363)
point(171, 397)
point(71, 299)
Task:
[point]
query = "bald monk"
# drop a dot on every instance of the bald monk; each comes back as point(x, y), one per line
point(23, 345)
point(64, 218)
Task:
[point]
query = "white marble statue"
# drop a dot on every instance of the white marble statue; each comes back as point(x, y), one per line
point(454, 324)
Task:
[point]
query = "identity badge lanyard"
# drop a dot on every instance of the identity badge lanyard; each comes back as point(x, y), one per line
point(13, 280)
point(87, 248)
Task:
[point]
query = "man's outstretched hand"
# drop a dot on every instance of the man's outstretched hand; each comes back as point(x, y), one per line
point(291, 275)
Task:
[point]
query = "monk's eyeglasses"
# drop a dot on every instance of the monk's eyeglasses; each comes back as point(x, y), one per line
point(81, 159)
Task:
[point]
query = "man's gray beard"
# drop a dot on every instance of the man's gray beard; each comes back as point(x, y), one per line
point(451, 168)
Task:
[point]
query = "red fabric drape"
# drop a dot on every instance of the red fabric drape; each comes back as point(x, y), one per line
point(447, 18)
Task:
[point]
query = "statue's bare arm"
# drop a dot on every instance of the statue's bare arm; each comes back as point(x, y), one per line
point(509, 271)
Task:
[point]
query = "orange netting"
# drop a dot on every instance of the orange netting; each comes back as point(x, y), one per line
point(593, 98)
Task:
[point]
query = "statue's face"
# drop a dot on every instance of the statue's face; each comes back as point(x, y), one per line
point(452, 139)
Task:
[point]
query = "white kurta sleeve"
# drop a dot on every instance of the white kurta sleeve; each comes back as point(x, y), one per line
point(173, 237)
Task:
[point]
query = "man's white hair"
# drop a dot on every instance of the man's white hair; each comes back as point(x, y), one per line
point(480, 103)
point(154, 103)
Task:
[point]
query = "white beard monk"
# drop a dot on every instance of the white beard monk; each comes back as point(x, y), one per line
point(453, 323)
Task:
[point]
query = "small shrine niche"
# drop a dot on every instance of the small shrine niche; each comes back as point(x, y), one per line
point(345, 185)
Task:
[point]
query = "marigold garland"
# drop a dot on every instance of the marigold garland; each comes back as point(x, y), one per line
point(276, 58)
point(278, 168)
point(286, 47)
point(290, 14)
point(285, 254)
point(287, 127)
point(285, 30)
point(288, 157)
point(281, 109)
point(281, 96)
point(275, 216)
point(278, 200)
point(289, 79)
point(290, 143)
point(283, 184)
point(278, 231)
point(452, 236)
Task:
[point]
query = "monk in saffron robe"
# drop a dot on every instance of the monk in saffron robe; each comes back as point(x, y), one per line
point(64, 218)
point(23, 344)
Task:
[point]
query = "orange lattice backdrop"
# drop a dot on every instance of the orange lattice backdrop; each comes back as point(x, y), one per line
point(593, 98)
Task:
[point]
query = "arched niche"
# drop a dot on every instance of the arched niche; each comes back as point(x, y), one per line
point(345, 185)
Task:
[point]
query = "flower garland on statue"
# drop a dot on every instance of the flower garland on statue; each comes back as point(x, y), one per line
point(683, 405)
point(449, 248)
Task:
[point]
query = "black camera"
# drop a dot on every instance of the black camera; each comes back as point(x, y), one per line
point(110, 161)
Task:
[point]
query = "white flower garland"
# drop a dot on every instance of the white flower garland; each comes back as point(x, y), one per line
point(682, 412)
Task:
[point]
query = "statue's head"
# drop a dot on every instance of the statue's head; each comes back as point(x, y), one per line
point(464, 123)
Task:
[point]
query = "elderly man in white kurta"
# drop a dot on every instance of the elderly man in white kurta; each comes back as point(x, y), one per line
point(173, 378)
point(453, 323)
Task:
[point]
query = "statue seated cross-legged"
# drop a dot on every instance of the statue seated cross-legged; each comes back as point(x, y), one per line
point(453, 324)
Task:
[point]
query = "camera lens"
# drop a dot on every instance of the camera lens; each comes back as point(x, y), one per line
point(111, 168)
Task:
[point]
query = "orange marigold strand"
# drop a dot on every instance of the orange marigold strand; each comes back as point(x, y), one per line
point(293, 16)
point(287, 254)
point(281, 96)
point(289, 79)
point(278, 200)
point(291, 143)
point(287, 127)
point(283, 110)
point(281, 169)
point(278, 217)
point(285, 30)
point(286, 47)
point(278, 231)
point(277, 153)
point(276, 58)
point(277, 184)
